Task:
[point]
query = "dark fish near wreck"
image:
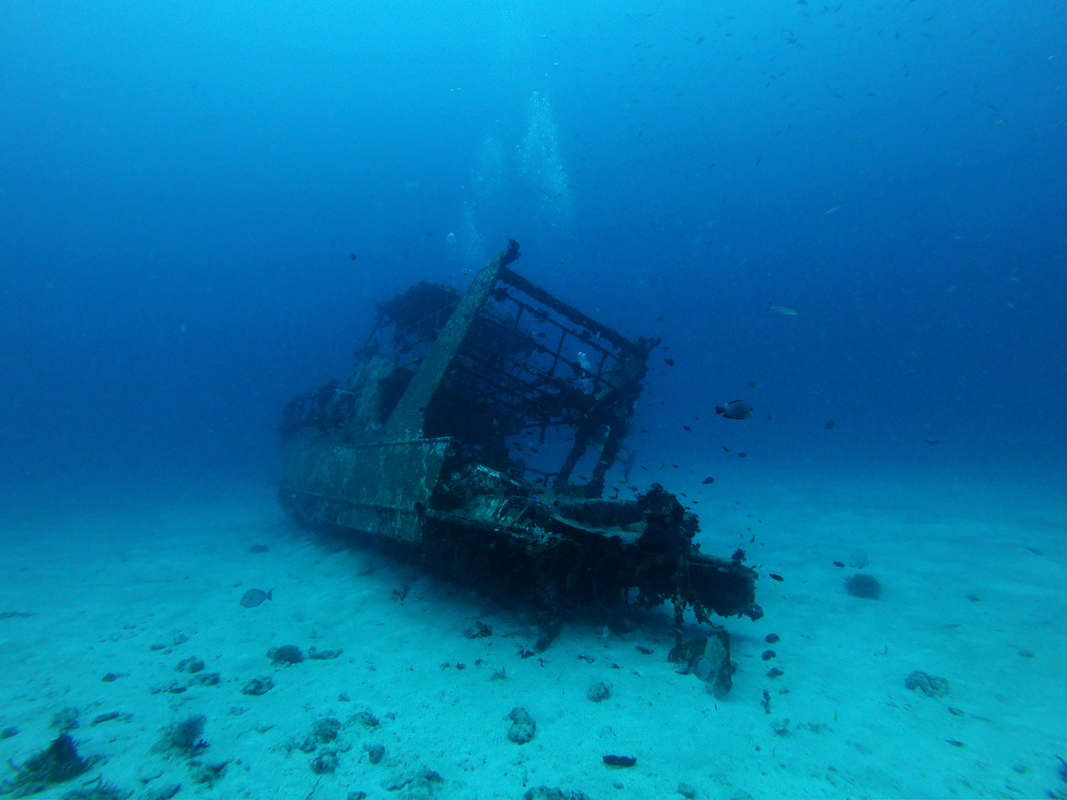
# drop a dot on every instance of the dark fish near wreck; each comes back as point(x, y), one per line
point(253, 597)
point(735, 409)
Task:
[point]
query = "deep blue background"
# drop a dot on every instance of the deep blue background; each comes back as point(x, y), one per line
point(181, 187)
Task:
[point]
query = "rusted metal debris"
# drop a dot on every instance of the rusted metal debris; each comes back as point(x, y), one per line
point(475, 435)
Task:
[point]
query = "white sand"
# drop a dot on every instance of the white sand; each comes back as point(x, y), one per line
point(103, 587)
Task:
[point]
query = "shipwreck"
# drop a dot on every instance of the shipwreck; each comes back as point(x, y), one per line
point(476, 436)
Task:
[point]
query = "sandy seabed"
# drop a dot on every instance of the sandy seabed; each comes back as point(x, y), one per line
point(103, 614)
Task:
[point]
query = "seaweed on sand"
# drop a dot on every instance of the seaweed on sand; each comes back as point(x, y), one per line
point(98, 790)
point(183, 738)
point(58, 763)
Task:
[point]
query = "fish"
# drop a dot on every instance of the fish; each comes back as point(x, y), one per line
point(253, 597)
point(735, 409)
point(708, 480)
point(829, 425)
point(789, 312)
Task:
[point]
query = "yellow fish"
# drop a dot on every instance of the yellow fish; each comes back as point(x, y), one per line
point(789, 312)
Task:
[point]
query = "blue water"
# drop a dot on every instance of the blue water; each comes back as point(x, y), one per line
point(201, 204)
point(182, 186)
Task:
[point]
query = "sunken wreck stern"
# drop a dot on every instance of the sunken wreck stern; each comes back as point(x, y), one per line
point(475, 436)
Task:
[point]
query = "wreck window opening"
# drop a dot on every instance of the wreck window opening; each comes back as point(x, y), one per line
point(571, 354)
point(521, 366)
point(535, 365)
point(541, 455)
point(585, 467)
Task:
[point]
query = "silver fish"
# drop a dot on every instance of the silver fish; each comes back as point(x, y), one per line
point(253, 597)
point(789, 312)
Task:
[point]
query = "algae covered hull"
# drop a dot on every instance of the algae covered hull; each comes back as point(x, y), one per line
point(476, 434)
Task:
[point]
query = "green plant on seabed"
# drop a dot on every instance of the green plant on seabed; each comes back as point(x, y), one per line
point(98, 790)
point(58, 763)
